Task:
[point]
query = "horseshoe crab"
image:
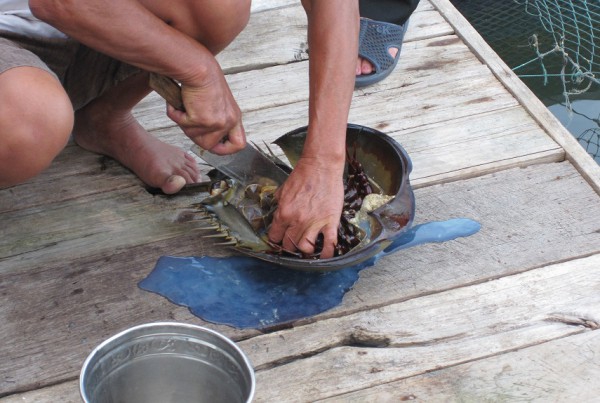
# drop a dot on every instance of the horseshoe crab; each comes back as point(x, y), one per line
point(383, 211)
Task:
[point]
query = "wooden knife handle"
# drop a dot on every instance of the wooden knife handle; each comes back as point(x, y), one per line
point(168, 89)
point(171, 91)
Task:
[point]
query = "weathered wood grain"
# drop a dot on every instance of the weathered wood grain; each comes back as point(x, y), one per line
point(443, 335)
point(262, 5)
point(74, 173)
point(55, 313)
point(490, 142)
point(424, 109)
point(448, 134)
point(439, 58)
point(452, 149)
point(278, 36)
point(428, 333)
point(78, 295)
point(67, 392)
point(78, 227)
point(561, 370)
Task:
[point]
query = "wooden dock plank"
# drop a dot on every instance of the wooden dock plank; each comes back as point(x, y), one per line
point(440, 334)
point(538, 297)
point(49, 234)
point(263, 5)
point(425, 334)
point(533, 374)
point(399, 107)
point(73, 174)
point(282, 33)
point(76, 299)
point(440, 58)
point(67, 392)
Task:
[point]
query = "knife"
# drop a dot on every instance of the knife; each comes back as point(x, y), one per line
point(248, 166)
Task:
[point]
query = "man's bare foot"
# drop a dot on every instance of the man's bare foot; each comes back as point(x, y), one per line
point(364, 67)
point(121, 137)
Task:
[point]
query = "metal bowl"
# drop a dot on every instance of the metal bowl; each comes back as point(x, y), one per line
point(167, 362)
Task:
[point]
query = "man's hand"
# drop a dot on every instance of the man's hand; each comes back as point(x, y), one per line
point(310, 202)
point(212, 118)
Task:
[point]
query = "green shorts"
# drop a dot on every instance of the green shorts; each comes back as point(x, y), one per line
point(84, 73)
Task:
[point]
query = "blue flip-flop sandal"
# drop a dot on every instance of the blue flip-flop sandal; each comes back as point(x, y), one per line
point(375, 40)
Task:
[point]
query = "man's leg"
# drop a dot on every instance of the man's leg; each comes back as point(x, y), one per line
point(106, 124)
point(36, 118)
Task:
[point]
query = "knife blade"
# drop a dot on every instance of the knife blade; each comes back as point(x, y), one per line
point(248, 166)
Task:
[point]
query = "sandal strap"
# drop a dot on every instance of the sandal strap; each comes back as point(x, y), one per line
point(375, 39)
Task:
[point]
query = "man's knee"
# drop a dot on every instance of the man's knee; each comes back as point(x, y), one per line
point(221, 22)
point(239, 13)
point(36, 119)
point(214, 23)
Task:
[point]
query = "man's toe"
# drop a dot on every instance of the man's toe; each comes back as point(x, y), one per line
point(173, 184)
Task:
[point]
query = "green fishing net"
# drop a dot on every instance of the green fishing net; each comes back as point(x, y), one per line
point(574, 26)
point(554, 47)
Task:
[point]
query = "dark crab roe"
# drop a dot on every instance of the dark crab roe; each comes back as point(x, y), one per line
point(356, 188)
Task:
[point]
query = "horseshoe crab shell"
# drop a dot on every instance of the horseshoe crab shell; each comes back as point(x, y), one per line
point(385, 163)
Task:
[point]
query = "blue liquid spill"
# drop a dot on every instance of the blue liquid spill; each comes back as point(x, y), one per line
point(245, 292)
